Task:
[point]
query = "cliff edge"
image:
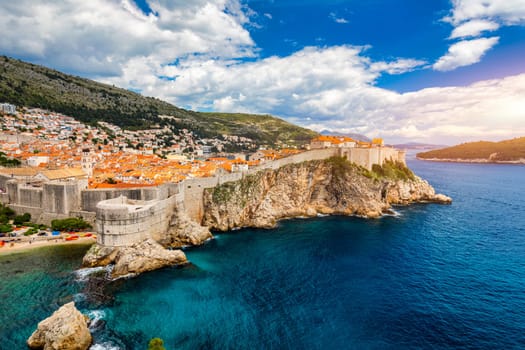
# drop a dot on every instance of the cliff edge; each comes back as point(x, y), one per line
point(331, 186)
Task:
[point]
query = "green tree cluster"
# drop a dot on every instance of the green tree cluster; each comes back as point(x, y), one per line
point(8, 162)
point(69, 224)
point(21, 219)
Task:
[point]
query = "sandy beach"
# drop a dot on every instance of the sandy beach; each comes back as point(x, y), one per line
point(22, 246)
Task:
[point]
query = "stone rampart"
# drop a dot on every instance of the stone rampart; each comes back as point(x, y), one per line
point(127, 216)
point(123, 222)
point(90, 198)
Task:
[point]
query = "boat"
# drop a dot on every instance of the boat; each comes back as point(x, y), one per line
point(72, 238)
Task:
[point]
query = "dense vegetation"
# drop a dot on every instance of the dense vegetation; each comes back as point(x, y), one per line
point(507, 150)
point(69, 224)
point(393, 170)
point(25, 84)
point(8, 162)
point(389, 170)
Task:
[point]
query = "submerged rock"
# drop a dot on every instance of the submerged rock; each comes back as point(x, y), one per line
point(66, 329)
point(141, 257)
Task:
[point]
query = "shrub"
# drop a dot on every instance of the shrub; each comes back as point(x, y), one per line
point(4, 228)
point(69, 224)
point(5, 210)
point(156, 344)
point(31, 231)
point(22, 219)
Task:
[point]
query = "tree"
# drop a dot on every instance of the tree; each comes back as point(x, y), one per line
point(21, 219)
point(110, 181)
point(69, 224)
point(156, 344)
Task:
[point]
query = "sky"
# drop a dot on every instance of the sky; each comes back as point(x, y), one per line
point(437, 71)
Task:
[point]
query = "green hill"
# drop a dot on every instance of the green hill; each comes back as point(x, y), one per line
point(503, 151)
point(26, 84)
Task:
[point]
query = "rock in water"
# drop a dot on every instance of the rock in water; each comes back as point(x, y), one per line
point(141, 257)
point(146, 256)
point(66, 329)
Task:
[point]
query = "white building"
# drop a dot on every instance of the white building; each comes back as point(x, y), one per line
point(8, 108)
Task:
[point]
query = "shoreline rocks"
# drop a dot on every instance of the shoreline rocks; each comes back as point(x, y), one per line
point(145, 256)
point(65, 329)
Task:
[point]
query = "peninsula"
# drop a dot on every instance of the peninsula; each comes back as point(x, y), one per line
point(504, 152)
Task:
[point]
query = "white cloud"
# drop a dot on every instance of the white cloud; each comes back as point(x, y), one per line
point(333, 88)
point(398, 66)
point(473, 28)
point(333, 16)
point(504, 11)
point(192, 53)
point(98, 36)
point(465, 53)
point(471, 18)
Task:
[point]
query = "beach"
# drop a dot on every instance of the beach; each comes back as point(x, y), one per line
point(25, 245)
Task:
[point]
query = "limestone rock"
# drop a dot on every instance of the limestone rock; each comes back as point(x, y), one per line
point(99, 255)
point(184, 231)
point(308, 189)
point(66, 329)
point(141, 257)
point(145, 256)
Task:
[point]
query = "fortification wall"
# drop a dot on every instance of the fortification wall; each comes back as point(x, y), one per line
point(3, 181)
point(317, 154)
point(366, 157)
point(90, 198)
point(29, 196)
point(36, 212)
point(123, 222)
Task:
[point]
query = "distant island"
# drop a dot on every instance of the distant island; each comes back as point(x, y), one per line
point(508, 151)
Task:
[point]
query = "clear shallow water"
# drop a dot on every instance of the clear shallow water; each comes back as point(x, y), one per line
point(446, 277)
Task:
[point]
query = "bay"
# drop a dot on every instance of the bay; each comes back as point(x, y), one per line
point(432, 276)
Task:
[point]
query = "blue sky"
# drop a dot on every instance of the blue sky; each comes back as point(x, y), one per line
point(442, 71)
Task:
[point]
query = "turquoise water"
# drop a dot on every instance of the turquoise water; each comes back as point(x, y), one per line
point(444, 277)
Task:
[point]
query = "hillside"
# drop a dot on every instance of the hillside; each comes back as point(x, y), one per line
point(25, 84)
point(482, 151)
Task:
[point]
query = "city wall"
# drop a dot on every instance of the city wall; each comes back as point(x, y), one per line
point(123, 222)
point(126, 216)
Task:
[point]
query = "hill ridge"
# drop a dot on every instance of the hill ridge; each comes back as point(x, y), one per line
point(31, 85)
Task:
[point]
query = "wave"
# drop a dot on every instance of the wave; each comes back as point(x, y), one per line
point(104, 346)
point(393, 213)
point(83, 274)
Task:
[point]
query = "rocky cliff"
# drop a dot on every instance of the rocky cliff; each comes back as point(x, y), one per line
point(183, 231)
point(332, 186)
point(67, 328)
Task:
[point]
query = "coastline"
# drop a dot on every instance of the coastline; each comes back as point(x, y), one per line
point(19, 247)
point(473, 161)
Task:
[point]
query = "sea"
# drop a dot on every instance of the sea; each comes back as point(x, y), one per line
point(427, 277)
